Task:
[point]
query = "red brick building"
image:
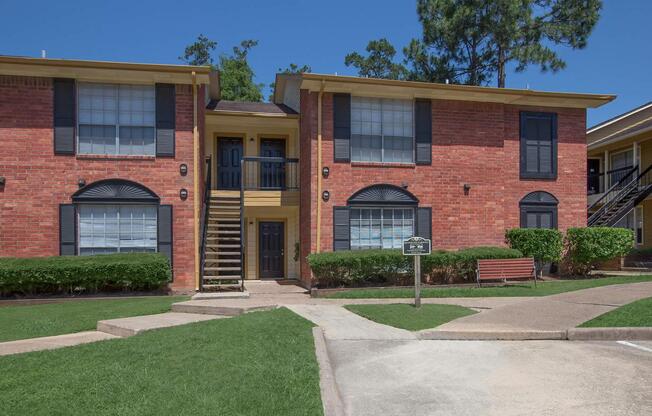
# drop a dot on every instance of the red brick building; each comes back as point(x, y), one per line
point(102, 157)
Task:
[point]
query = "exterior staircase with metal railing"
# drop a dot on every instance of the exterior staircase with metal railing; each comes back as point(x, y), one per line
point(621, 198)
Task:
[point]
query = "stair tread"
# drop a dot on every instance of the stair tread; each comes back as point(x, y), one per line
point(223, 245)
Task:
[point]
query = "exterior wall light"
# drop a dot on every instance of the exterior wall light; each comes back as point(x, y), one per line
point(3, 180)
point(183, 194)
point(81, 182)
point(183, 169)
point(467, 188)
point(325, 171)
point(325, 195)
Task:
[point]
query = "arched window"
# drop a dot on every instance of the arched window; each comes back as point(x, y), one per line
point(379, 216)
point(538, 210)
point(117, 216)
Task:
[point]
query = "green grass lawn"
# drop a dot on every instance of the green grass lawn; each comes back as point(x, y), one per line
point(525, 289)
point(30, 321)
point(260, 363)
point(408, 317)
point(637, 313)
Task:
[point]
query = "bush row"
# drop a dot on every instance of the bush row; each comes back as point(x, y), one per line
point(391, 267)
point(89, 274)
point(578, 251)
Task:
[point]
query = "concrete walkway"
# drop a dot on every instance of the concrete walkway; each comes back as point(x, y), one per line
point(50, 343)
point(553, 313)
point(341, 324)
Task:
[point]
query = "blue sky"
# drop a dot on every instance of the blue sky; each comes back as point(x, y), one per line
point(320, 34)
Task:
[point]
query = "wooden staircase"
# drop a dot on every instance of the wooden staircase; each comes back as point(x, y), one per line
point(223, 267)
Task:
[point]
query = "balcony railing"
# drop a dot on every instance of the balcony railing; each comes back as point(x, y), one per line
point(598, 183)
point(270, 173)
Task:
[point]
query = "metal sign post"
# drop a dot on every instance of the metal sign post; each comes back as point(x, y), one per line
point(417, 247)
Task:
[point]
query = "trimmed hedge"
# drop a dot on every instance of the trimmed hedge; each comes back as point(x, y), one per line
point(587, 246)
point(544, 245)
point(90, 274)
point(391, 267)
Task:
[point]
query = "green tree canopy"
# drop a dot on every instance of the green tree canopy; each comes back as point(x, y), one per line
point(473, 41)
point(199, 53)
point(379, 62)
point(237, 77)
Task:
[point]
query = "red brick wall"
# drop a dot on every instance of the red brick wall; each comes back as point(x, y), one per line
point(473, 143)
point(37, 181)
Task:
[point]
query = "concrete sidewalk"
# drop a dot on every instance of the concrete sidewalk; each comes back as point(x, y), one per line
point(553, 313)
point(50, 343)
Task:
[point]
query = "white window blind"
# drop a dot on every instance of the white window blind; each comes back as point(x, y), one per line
point(380, 227)
point(382, 130)
point(117, 229)
point(116, 119)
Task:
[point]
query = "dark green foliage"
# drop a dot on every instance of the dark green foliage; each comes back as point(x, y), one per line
point(237, 77)
point(478, 38)
point(391, 267)
point(473, 41)
point(199, 53)
point(587, 246)
point(360, 268)
point(543, 244)
point(68, 274)
point(379, 63)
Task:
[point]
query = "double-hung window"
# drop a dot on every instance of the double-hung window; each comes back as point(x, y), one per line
point(105, 229)
point(382, 130)
point(538, 145)
point(116, 119)
point(380, 227)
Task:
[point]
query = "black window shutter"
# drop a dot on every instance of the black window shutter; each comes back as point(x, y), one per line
point(165, 119)
point(342, 127)
point(165, 230)
point(341, 229)
point(423, 132)
point(67, 230)
point(538, 149)
point(64, 116)
point(424, 223)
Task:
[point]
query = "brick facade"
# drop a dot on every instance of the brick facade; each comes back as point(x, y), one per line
point(473, 143)
point(37, 181)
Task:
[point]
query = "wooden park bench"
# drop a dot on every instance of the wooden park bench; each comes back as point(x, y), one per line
point(506, 269)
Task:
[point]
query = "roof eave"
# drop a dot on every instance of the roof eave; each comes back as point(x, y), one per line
point(336, 83)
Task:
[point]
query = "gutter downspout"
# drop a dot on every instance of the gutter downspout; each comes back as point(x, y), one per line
point(319, 163)
point(195, 164)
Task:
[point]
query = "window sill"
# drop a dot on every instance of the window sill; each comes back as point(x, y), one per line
point(114, 157)
point(384, 165)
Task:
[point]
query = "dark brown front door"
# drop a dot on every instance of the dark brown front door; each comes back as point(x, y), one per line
point(229, 156)
point(272, 249)
point(272, 174)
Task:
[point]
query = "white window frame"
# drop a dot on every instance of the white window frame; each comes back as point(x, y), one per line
point(118, 206)
point(117, 119)
point(381, 208)
point(382, 133)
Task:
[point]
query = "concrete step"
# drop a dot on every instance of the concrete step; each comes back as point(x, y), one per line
point(223, 245)
point(215, 308)
point(127, 327)
point(221, 269)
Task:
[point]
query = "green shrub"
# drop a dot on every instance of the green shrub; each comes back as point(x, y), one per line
point(360, 267)
point(544, 245)
point(67, 274)
point(391, 267)
point(590, 245)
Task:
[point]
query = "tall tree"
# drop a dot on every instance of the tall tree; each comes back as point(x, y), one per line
point(199, 53)
point(379, 62)
point(237, 77)
point(479, 38)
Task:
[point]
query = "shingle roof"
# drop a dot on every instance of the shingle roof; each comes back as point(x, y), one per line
point(249, 107)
